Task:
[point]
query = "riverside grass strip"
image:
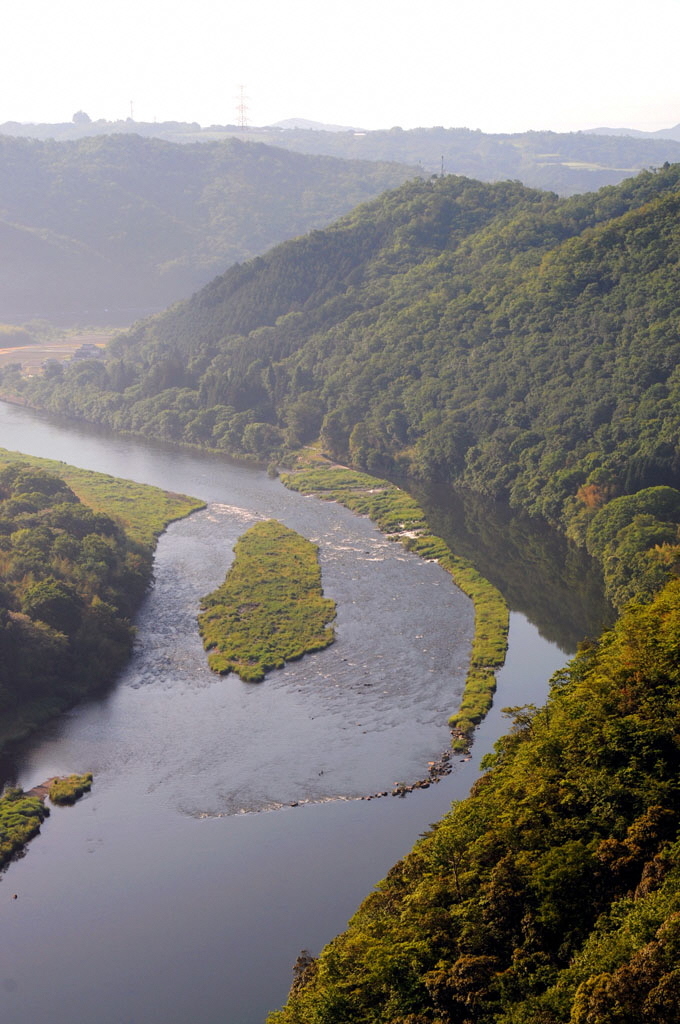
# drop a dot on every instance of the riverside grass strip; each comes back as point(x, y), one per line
point(401, 518)
point(270, 608)
point(142, 510)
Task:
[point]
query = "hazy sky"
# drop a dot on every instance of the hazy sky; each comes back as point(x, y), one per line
point(497, 65)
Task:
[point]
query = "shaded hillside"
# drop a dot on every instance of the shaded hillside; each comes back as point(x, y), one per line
point(104, 230)
point(552, 894)
point(565, 162)
point(488, 334)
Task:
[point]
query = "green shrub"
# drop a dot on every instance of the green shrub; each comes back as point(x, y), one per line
point(20, 820)
point(70, 789)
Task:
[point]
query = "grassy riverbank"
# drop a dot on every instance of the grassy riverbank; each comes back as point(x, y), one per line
point(76, 553)
point(270, 609)
point(401, 518)
point(142, 510)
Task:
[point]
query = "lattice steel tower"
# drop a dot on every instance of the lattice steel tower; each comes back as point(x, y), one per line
point(242, 109)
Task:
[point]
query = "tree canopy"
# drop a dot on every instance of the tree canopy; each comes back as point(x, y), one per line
point(488, 335)
point(552, 893)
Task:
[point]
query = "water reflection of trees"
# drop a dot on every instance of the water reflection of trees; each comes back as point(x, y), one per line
point(555, 584)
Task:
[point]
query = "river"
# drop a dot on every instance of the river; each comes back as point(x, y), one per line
point(224, 832)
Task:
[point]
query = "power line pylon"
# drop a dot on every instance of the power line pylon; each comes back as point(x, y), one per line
point(242, 109)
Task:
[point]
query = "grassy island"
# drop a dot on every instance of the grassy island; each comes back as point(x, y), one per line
point(70, 789)
point(270, 609)
point(401, 518)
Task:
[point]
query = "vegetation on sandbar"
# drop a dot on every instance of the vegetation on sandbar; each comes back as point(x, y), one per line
point(70, 789)
point(400, 517)
point(20, 819)
point(21, 814)
point(270, 608)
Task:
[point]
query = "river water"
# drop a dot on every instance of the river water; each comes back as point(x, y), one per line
point(224, 832)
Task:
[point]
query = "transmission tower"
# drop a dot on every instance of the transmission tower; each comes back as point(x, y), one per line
point(241, 109)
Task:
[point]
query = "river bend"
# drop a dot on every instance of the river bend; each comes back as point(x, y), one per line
point(184, 886)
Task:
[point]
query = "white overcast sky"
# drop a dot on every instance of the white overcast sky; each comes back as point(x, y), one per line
point(496, 65)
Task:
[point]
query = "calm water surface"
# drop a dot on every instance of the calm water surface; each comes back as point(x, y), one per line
point(184, 886)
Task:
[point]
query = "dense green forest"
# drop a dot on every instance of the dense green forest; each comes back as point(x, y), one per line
point(70, 580)
point(488, 335)
point(107, 229)
point(564, 162)
point(525, 346)
point(552, 894)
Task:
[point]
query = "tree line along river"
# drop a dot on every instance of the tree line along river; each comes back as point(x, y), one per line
point(224, 832)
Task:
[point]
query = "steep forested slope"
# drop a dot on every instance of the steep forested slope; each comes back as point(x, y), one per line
point(552, 894)
point(95, 230)
point(486, 334)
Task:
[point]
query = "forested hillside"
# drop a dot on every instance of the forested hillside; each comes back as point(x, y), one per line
point(552, 894)
point(489, 335)
point(527, 347)
point(563, 162)
point(107, 229)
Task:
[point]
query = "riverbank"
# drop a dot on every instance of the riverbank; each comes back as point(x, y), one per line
point(401, 518)
point(76, 562)
point(144, 511)
point(177, 753)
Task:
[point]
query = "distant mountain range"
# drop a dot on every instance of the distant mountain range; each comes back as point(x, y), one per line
point(109, 228)
point(105, 222)
point(313, 126)
point(661, 134)
point(566, 163)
